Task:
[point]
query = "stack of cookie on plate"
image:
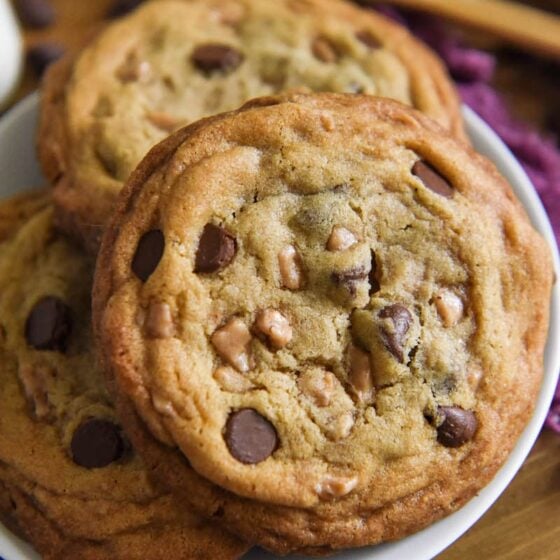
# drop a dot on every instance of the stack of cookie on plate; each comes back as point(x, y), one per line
point(310, 323)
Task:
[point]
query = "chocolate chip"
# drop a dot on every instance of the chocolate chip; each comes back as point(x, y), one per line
point(432, 179)
point(350, 279)
point(368, 39)
point(216, 58)
point(216, 249)
point(373, 275)
point(35, 13)
point(250, 437)
point(122, 7)
point(41, 56)
point(394, 339)
point(49, 324)
point(148, 254)
point(458, 426)
point(97, 443)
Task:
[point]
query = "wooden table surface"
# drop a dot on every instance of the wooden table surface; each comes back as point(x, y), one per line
point(524, 524)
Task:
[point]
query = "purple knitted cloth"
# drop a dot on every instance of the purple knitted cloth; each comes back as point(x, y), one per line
point(473, 69)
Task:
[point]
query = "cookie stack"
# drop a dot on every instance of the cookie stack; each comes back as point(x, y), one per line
point(318, 319)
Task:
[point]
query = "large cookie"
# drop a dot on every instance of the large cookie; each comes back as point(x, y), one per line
point(70, 482)
point(328, 315)
point(173, 62)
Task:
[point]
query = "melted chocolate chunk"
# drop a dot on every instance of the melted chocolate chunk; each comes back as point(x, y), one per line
point(216, 249)
point(432, 179)
point(458, 426)
point(97, 443)
point(216, 58)
point(250, 437)
point(395, 339)
point(49, 325)
point(350, 279)
point(148, 254)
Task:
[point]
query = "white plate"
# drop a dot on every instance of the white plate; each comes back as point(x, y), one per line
point(19, 171)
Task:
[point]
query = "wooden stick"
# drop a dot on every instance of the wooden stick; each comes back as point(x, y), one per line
point(524, 26)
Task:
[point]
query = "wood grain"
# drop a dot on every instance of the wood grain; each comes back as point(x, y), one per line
point(524, 26)
point(524, 523)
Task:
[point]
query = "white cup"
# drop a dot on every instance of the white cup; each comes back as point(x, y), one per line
point(11, 53)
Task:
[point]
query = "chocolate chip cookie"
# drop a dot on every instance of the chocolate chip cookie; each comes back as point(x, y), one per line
point(327, 315)
point(173, 62)
point(70, 482)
